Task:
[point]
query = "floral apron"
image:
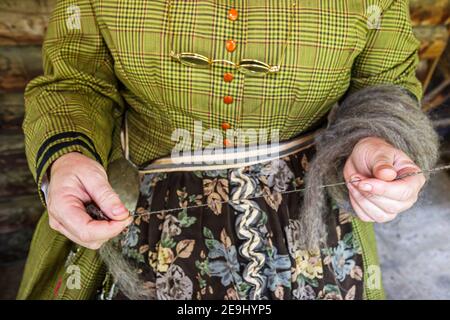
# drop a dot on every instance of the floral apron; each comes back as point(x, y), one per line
point(242, 249)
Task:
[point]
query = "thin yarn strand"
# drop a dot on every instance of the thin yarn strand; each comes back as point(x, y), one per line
point(331, 185)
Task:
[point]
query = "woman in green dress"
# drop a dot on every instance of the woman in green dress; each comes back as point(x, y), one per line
point(212, 70)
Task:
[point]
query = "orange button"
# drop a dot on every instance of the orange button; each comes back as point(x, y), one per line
point(228, 99)
point(227, 142)
point(232, 14)
point(230, 45)
point(228, 77)
point(226, 126)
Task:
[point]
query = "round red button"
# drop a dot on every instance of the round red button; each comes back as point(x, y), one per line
point(230, 45)
point(226, 126)
point(226, 142)
point(228, 77)
point(228, 99)
point(232, 14)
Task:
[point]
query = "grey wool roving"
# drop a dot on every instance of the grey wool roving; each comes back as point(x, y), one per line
point(126, 276)
point(384, 111)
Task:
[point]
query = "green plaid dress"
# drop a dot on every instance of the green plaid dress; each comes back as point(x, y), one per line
point(102, 57)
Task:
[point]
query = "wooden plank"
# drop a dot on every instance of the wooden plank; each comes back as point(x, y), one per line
point(19, 65)
point(15, 176)
point(24, 22)
point(19, 212)
point(11, 112)
point(16, 181)
point(14, 247)
point(429, 12)
point(433, 40)
point(11, 144)
point(444, 63)
point(18, 218)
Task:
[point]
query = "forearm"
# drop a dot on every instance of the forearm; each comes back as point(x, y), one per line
point(73, 106)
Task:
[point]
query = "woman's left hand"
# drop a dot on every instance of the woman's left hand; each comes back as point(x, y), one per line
point(378, 198)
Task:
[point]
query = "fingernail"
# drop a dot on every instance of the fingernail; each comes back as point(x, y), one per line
point(365, 187)
point(118, 211)
point(354, 178)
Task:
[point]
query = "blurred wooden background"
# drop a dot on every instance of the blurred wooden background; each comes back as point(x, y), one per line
point(22, 26)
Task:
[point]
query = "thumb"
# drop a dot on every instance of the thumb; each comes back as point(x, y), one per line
point(106, 199)
point(383, 168)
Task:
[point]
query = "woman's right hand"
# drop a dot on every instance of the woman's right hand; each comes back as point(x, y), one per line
point(75, 181)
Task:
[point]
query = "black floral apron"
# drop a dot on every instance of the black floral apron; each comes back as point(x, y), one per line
point(238, 249)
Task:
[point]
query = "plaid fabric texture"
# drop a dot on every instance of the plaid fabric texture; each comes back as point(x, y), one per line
point(50, 275)
point(117, 58)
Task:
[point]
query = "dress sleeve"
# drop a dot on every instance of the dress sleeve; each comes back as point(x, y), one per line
point(73, 105)
point(390, 55)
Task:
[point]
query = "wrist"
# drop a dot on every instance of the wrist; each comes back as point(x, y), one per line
point(62, 161)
